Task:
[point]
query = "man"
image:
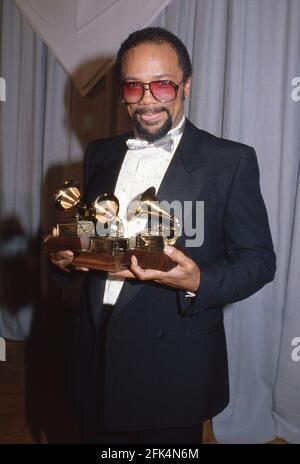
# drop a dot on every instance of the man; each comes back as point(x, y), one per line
point(150, 359)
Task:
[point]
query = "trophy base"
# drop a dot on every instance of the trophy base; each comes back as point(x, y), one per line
point(98, 261)
point(107, 261)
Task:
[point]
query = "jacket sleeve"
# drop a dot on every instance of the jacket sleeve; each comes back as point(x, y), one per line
point(249, 261)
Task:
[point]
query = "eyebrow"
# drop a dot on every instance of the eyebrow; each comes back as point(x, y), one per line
point(158, 76)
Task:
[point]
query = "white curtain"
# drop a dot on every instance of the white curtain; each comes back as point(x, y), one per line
point(245, 54)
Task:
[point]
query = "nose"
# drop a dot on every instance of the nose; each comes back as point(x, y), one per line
point(147, 97)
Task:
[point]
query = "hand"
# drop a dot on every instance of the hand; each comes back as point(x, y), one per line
point(62, 259)
point(186, 275)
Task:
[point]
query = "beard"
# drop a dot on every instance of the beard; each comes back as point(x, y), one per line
point(143, 132)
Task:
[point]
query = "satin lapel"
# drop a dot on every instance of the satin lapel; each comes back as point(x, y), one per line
point(184, 180)
point(106, 171)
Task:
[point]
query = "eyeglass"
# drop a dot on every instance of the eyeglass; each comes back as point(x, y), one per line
point(163, 91)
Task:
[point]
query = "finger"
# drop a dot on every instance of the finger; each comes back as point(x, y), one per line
point(144, 274)
point(66, 254)
point(61, 262)
point(177, 256)
point(126, 274)
point(79, 268)
point(47, 237)
point(62, 265)
point(54, 232)
point(65, 268)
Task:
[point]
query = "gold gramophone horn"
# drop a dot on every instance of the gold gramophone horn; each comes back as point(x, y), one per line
point(105, 208)
point(67, 196)
point(147, 203)
point(142, 203)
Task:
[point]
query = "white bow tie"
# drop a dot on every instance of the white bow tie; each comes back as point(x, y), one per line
point(165, 142)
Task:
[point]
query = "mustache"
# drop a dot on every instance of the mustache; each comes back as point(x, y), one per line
point(156, 110)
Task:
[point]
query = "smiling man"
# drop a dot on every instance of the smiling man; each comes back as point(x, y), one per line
point(150, 363)
point(154, 89)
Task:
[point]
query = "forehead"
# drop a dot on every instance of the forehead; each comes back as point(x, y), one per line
point(149, 60)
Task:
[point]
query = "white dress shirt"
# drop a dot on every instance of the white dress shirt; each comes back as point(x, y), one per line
point(140, 170)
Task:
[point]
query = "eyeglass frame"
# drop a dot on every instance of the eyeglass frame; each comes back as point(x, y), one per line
point(176, 87)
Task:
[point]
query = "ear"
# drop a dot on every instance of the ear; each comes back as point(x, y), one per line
point(187, 87)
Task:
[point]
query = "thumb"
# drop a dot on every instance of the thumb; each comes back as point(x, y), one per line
point(47, 237)
point(176, 255)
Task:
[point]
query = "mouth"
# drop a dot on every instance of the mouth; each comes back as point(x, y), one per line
point(151, 117)
point(152, 123)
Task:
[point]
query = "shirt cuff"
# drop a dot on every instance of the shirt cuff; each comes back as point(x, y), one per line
point(190, 294)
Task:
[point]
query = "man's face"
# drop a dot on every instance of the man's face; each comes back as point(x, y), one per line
point(149, 62)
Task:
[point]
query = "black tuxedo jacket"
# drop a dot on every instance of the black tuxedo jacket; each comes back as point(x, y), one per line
point(165, 358)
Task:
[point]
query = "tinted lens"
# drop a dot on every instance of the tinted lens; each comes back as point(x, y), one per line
point(131, 92)
point(164, 91)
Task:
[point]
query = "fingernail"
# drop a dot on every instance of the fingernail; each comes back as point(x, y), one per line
point(168, 249)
